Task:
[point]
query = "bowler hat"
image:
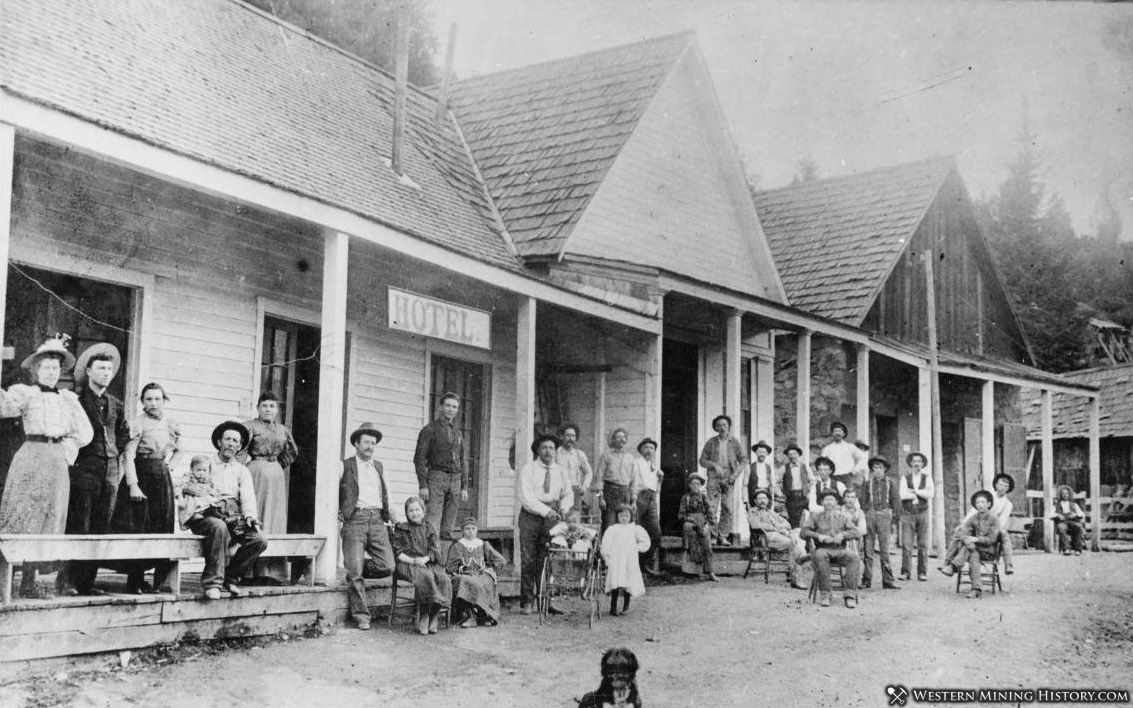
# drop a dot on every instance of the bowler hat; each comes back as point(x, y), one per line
point(761, 444)
point(1009, 478)
point(911, 455)
point(224, 427)
point(983, 493)
point(366, 428)
point(542, 439)
point(89, 353)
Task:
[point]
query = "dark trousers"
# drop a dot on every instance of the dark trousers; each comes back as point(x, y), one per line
point(848, 559)
point(444, 501)
point(534, 534)
point(914, 531)
point(649, 518)
point(1069, 535)
point(877, 529)
point(364, 533)
point(612, 496)
point(796, 505)
point(88, 511)
point(219, 535)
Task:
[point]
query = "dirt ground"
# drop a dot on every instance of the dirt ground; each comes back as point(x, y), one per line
point(1064, 622)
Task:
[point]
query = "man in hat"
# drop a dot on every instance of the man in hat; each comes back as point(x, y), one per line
point(915, 490)
point(979, 533)
point(1001, 508)
point(849, 461)
point(794, 481)
point(776, 529)
point(830, 529)
point(726, 462)
point(824, 480)
point(574, 462)
point(235, 494)
point(363, 509)
point(647, 481)
point(881, 501)
point(96, 472)
point(544, 497)
point(761, 474)
point(439, 461)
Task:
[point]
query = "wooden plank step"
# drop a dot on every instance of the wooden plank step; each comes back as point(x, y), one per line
point(51, 617)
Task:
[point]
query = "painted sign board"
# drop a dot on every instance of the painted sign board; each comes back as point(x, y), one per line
point(417, 314)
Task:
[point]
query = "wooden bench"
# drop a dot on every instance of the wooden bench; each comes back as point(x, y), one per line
point(16, 549)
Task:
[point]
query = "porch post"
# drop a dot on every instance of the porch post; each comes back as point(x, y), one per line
point(332, 374)
point(863, 416)
point(653, 403)
point(988, 435)
point(7, 177)
point(924, 413)
point(1095, 474)
point(524, 401)
point(732, 372)
point(1047, 426)
point(802, 411)
point(764, 397)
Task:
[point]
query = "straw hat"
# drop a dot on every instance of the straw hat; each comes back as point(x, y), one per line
point(53, 345)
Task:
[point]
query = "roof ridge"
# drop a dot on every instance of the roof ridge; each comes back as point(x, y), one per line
point(950, 158)
point(573, 58)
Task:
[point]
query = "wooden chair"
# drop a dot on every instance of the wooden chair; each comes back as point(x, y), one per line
point(989, 573)
point(407, 607)
point(764, 557)
point(837, 574)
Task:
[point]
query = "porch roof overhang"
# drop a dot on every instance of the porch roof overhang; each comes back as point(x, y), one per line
point(45, 123)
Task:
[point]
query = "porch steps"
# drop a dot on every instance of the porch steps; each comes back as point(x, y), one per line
point(726, 560)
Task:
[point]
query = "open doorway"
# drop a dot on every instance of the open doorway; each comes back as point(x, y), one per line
point(679, 446)
point(465, 379)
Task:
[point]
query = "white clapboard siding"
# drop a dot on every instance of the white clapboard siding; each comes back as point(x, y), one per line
point(501, 477)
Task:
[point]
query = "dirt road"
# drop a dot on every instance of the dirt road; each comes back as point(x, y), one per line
point(1065, 622)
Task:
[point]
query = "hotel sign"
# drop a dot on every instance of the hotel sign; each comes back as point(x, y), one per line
point(427, 317)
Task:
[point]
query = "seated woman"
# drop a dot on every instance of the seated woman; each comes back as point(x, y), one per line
point(694, 516)
point(473, 565)
point(419, 561)
point(1068, 518)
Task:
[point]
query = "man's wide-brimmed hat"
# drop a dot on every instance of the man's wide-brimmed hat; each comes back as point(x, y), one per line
point(54, 345)
point(647, 441)
point(89, 353)
point(983, 493)
point(1009, 478)
point(829, 493)
point(762, 492)
point(227, 425)
point(911, 455)
point(762, 444)
point(794, 447)
point(366, 428)
point(879, 461)
point(698, 475)
point(539, 440)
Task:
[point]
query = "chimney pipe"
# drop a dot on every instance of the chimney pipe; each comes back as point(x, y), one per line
point(442, 99)
point(401, 75)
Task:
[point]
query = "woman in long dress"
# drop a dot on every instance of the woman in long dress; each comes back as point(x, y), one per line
point(145, 495)
point(271, 451)
point(473, 565)
point(38, 487)
point(415, 547)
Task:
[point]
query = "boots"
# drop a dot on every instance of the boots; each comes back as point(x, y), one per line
point(434, 615)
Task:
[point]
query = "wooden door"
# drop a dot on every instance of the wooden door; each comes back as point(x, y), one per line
point(467, 380)
point(679, 450)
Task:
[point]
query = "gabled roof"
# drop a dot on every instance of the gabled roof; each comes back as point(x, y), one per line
point(1071, 413)
point(221, 82)
point(544, 136)
point(835, 240)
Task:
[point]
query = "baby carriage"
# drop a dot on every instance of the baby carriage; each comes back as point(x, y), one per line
point(572, 575)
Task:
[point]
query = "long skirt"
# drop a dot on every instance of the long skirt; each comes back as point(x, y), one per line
point(478, 591)
point(154, 514)
point(270, 483)
point(431, 584)
point(37, 490)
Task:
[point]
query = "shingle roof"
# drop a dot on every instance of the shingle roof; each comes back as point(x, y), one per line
point(544, 136)
point(835, 240)
point(223, 83)
point(1071, 413)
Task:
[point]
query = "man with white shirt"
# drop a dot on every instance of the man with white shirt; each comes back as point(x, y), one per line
point(761, 474)
point(824, 481)
point(232, 484)
point(545, 497)
point(849, 460)
point(574, 462)
point(647, 481)
point(363, 509)
point(915, 490)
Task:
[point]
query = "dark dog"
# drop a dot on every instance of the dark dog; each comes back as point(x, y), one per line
point(619, 682)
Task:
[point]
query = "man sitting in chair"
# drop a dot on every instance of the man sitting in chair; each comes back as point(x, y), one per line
point(777, 530)
point(980, 536)
point(830, 529)
point(1001, 509)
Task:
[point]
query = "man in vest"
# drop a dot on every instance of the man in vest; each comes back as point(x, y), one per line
point(794, 482)
point(363, 509)
point(96, 472)
point(762, 474)
point(647, 480)
point(824, 481)
point(881, 501)
point(915, 490)
point(830, 529)
point(442, 479)
point(1001, 508)
point(849, 461)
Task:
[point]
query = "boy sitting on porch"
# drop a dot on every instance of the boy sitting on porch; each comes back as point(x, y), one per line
point(980, 534)
point(694, 515)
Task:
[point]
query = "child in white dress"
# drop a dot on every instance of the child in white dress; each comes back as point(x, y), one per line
point(620, 545)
